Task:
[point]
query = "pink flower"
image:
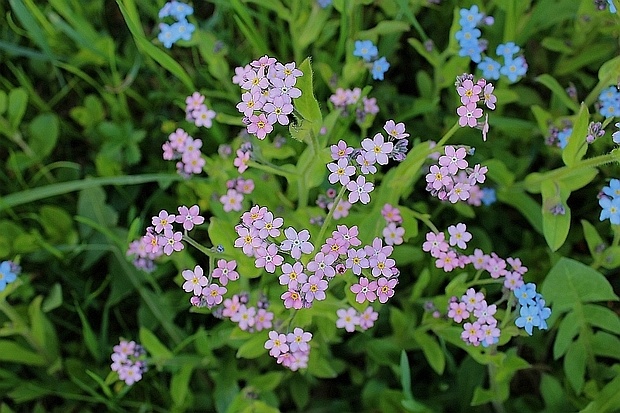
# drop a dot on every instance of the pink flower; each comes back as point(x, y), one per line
point(341, 150)
point(347, 319)
point(513, 280)
point(458, 311)
point(479, 259)
point(248, 239)
point(213, 294)
point(250, 101)
point(395, 130)
point(377, 149)
point(459, 235)
point(268, 258)
point(391, 214)
point(276, 344)
point(231, 306)
point(297, 243)
point(163, 221)
point(471, 333)
point(485, 313)
point(367, 318)
point(489, 97)
point(268, 226)
point(469, 92)
point(393, 234)
point(225, 271)
point(496, 266)
point(364, 290)
point(298, 340)
point(381, 265)
point(259, 126)
point(292, 299)
point(468, 115)
point(454, 159)
point(263, 319)
point(360, 190)
point(178, 139)
point(321, 265)
point(478, 174)
point(231, 201)
point(435, 244)
point(171, 241)
point(278, 109)
point(189, 217)
point(195, 280)
point(385, 288)
point(489, 334)
point(342, 209)
point(314, 288)
point(438, 177)
point(447, 260)
point(356, 260)
point(349, 235)
point(194, 101)
point(293, 275)
point(340, 172)
point(241, 161)
point(203, 117)
point(472, 299)
point(244, 317)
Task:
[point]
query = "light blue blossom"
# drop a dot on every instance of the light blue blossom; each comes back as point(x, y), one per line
point(610, 209)
point(488, 196)
point(513, 68)
point(613, 190)
point(616, 135)
point(365, 49)
point(471, 49)
point(324, 3)
point(526, 294)
point(180, 11)
point(379, 67)
point(467, 34)
point(507, 50)
point(470, 18)
point(533, 312)
point(490, 68)
point(612, 6)
point(529, 318)
point(563, 136)
point(7, 274)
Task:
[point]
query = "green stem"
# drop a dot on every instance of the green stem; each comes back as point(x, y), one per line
point(508, 314)
point(425, 219)
point(330, 214)
point(497, 402)
point(447, 136)
point(274, 169)
point(206, 251)
point(558, 174)
point(22, 327)
point(483, 282)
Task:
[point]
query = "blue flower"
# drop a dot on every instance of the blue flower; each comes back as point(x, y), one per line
point(612, 6)
point(613, 190)
point(543, 312)
point(7, 274)
point(324, 3)
point(365, 49)
point(526, 294)
point(180, 11)
point(488, 196)
point(529, 319)
point(470, 18)
point(184, 29)
point(167, 35)
point(513, 68)
point(610, 109)
point(563, 136)
point(467, 34)
point(611, 209)
point(616, 135)
point(490, 68)
point(507, 50)
point(379, 67)
point(609, 95)
point(472, 49)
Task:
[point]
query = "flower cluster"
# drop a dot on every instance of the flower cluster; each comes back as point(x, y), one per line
point(448, 257)
point(181, 29)
point(533, 312)
point(348, 100)
point(234, 195)
point(451, 179)
point(471, 95)
point(248, 318)
point(609, 201)
point(205, 292)
point(197, 112)
point(609, 102)
point(383, 277)
point(160, 237)
point(369, 52)
point(472, 46)
point(269, 87)
point(292, 350)
point(8, 273)
point(393, 232)
point(602, 5)
point(128, 361)
point(481, 325)
point(182, 147)
point(595, 131)
point(349, 318)
point(559, 137)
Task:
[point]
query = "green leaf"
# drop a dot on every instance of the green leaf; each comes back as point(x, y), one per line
point(254, 347)
point(555, 224)
point(90, 339)
point(558, 91)
point(593, 239)
point(606, 345)
point(524, 204)
point(611, 257)
point(128, 9)
point(306, 104)
point(570, 282)
point(179, 384)
point(432, 350)
point(18, 100)
point(567, 331)
point(300, 392)
point(53, 299)
point(153, 346)
point(14, 353)
point(553, 394)
point(607, 400)
point(498, 172)
point(602, 317)
point(575, 365)
point(577, 145)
